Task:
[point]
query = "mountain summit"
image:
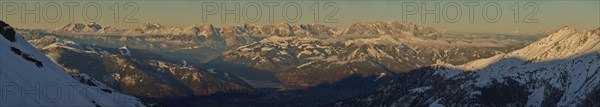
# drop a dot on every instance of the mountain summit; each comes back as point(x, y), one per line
point(390, 28)
point(79, 28)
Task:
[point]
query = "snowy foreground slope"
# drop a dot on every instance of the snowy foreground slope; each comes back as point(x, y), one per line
point(29, 78)
point(559, 70)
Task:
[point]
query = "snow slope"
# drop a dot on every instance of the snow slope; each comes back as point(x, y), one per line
point(567, 60)
point(29, 78)
point(562, 69)
point(563, 44)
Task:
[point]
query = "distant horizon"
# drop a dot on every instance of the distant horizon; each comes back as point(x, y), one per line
point(546, 31)
point(545, 14)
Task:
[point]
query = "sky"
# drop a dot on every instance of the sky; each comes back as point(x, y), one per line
point(455, 16)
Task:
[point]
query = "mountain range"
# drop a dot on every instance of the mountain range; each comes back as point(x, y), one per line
point(256, 63)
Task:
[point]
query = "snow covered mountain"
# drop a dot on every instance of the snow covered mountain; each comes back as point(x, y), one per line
point(29, 78)
point(391, 28)
point(348, 66)
point(282, 29)
point(559, 70)
point(80, 28)
point(309, 61)
point(137, 72)
point(206, 42)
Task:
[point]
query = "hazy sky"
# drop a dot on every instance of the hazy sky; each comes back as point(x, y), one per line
point(581, 14)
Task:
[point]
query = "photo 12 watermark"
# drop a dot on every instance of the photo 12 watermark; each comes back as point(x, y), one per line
point(468, 11)
point(68, 11)
point(53, 92)
point(305, 12)
point(252, 12)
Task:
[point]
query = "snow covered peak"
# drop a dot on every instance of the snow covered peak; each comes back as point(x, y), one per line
point(282, 29)
point(32, 79)
point(390, 28)
point(563, 44)
point(594, 32)
point(148, 25)
point(284, 25)
point(382, 40)
point(390, 23)
point(79, 28)
point(566, 43)
point(94, 25)
point(377, 22)
point(207, 30)
point(566, 29)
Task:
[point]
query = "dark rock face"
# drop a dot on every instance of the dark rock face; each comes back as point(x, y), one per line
point(27, 57)
point(592, 99)
point(7, 31)
point(510, 94)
